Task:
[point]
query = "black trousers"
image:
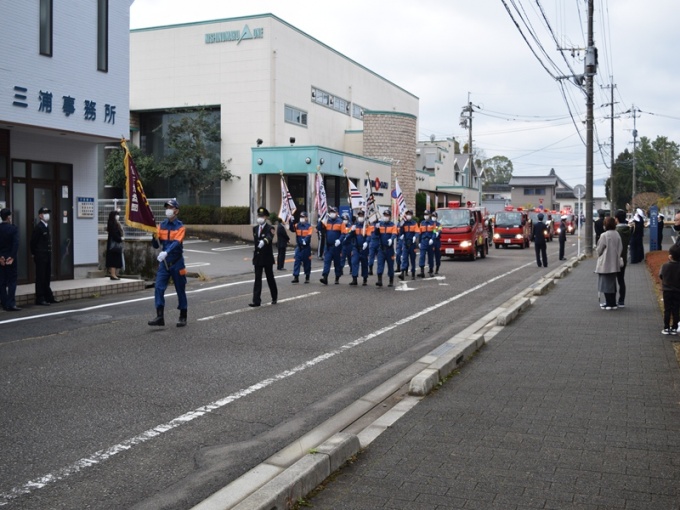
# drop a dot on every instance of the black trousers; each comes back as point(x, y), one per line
point(562, 243)
point(621, 281)
point(43, 274)
point(541, 254)
point(257, 288)
point(281, 257)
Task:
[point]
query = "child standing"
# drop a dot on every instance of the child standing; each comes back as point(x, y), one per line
point(670, 280)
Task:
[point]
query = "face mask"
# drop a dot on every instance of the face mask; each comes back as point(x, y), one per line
point(426, 217)
point(332, 215)
point(169, 213)
point(46, 217)
point(260, 221)
point(360, 219)
point(386, 219)
point(117, 217)
point(409, 217)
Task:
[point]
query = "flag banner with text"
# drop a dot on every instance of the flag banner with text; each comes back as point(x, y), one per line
point(138, 212)
point(288, 206)
point(355, 198)
point(320, 199)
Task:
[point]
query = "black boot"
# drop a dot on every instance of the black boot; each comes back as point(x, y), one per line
point(436, 270)
point(295, 280)
point(431, 273)
point(422, 272)
point(370, 270)
point(306, 278)
point(413, 274)
point(402, 275)
point(365, 282)
point(391, 284)
point(159, 320)
point(337, 280)
point(354, 281)
point(324, 279)
point(398, 268)
point(182, 319)
point(379, 282)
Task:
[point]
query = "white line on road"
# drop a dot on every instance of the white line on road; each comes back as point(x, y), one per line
point(103, 455)
point(241, 310)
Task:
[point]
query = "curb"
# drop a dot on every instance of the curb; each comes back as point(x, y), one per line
point(273, 485)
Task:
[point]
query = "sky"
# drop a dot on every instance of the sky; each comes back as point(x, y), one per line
point(449, 52)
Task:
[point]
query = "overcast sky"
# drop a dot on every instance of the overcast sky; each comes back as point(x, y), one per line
point(441, 50)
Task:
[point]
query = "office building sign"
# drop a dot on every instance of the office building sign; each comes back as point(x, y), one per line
point(234, 35)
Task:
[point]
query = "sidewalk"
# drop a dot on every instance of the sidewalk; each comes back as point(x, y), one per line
point(569, 406)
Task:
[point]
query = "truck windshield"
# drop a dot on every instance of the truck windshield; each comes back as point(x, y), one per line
point(454, 217)
point(508, 219)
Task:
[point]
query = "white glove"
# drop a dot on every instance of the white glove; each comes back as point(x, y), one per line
point(260, 245)
point(364, 246)
point(414, 239)
point(436, 234)
point(430, 242)
point(401, 237)
point(304, 243)
point(389, 242)
point(337, 242)
point(354, 227)
point(161, 256)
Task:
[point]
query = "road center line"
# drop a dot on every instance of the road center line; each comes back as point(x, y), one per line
point(241, 310)
point(103, 455)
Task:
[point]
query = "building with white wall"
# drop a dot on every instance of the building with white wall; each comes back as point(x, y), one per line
point(63, 93)
point(266, 80)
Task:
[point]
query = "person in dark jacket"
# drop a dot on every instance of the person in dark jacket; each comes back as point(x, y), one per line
point(538, 238)
point(637, 250)
point(660, 231)
point(670, 280)
point(9, 247)
point(282, 239)
point(263, 258)
point(563, 235)
point(114, 254)
point(624, 231)
point(41, 249)
point(599, 225)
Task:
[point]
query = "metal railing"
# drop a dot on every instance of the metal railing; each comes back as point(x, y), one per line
point(105, 206)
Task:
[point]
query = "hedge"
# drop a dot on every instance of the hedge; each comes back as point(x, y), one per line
point(214, 215)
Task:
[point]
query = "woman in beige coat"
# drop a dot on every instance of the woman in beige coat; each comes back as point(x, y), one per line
point(609, 250)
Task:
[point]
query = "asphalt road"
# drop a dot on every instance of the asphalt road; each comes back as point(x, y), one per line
point(101, 411)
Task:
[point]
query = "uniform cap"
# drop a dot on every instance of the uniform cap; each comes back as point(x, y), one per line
point(387, 212)
point(332, 209)
point(44, 210)
point(540, 216)
point(434, 214)
point(345, 215)
point(564, 216)
point(426, 211)
point(172, 203)
point(303, 214)
point(5, 213)
point(408, 211)
point(262, 211)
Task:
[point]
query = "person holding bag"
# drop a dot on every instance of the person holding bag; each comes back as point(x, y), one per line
point(114, 244)
point(609, 262)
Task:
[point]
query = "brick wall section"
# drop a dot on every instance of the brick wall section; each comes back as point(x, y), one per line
point(393, 136)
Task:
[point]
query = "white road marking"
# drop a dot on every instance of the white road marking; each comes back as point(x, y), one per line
point(241, 310)
point(197, 264)
point(230, 248)
point(103, 455)
point(201, 251)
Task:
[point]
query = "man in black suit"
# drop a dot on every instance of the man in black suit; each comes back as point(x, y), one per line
point(9, 246)
point(282, 239)
point(263, 258)
point(538, 238)
point(41, 249)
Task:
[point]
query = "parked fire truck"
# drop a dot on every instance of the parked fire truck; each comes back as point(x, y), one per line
point(549, 232)
point(512, 227)
point(571, 226)
point(463, 231)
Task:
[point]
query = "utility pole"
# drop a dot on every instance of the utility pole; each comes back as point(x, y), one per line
point(612, 170)
point(466, 123)
point(590, 71)
point(632, 198)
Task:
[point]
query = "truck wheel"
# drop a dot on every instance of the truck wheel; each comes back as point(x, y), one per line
point(473, 255)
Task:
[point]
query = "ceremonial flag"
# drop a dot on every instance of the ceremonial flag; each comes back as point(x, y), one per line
point(320, 199)
point(356, 201)
point(288, 206)
point(428, 205)
point(138, 212)
point(400, 201)
point(371, 212)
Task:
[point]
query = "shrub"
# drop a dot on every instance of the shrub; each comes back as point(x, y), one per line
point(213, 215)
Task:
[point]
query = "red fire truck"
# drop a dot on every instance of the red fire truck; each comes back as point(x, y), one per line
point(512, 227)
point(463, 231)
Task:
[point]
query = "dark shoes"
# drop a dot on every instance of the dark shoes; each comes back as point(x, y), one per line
point(42, 303)
point(253, 305)
point(12, 309)
point(54, 300)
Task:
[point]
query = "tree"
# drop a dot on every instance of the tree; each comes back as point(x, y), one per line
point(497, 170)
point(193, 143)
point(114, 168)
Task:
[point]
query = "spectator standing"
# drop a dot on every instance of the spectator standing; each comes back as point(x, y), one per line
point(624, 230)
point(670, 281)
point(282, 239)
point(114, 244)
point(637, 251)
point(9, 247)
point(599, 225)
point(563, 236)
point(660, 232)
point(41, 249)
point(608, 249)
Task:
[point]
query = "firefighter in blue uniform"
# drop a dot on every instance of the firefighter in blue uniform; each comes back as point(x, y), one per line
point(170, 238)
point(409, 233)
point(358, 239)
point(373, 244)
point(427, 227)
point(386, 232)
point(346, 250)
point(399, 247)
point(303, 249)
point(437, 245)
point(332, 228)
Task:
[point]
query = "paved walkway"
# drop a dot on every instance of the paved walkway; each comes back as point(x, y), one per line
point(568, 407)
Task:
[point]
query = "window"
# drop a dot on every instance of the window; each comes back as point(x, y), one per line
point(103, 35)
point(329, 100)
point(46, 27)
point(295, 116)
point(357, 111)
point(534, 191)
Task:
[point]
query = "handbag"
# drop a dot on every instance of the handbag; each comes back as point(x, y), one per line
point(116, 247)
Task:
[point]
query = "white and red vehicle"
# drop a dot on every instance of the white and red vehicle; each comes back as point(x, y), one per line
point(463, 231)
point(512, 227)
